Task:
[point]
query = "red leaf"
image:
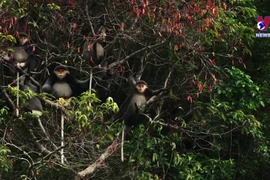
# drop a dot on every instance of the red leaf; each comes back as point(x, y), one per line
point(175, 47)
point(240, 60)
point(71, 3)
point(122, 25)
point(89, 47)
point(49, 164)
point(200, 86)
point(143, 11)
point(177, 16)
point(207, 22)
point(121, 68)
point(91, 60)
point(155, 7)
point(33, 48)
point(153, 16)
point(224, 6)
point(143, 5)
point(210, 88)
point(181, 134)
point(212, 61)
point(169, 30)
point(75, 26)
point(214, 78)
point(215, 11)
point(189, 98)
point(163, 21)
point(146, 2)
point(17, 34)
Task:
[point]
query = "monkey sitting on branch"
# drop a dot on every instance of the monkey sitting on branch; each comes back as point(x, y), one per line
point(141, 94)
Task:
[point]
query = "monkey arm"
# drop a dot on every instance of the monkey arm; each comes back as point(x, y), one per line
point(47, 86)
point(32, 63)
point(151, 92)
point(132, 82)
point(83, 84)
point(79, 86)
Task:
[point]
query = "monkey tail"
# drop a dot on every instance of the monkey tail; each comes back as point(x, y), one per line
point(62, 138)
point(122, 143)
point(17, 98)
point(90, 82)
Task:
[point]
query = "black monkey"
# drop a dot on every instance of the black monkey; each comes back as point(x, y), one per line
point(141, 94)
point(19, 55)
point(34, 105)
point(94, 53)
point(61, 84)
point(22, 53)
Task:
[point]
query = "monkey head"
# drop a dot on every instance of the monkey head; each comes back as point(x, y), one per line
point(141, 86)
point(61, 72)
point(23, 39)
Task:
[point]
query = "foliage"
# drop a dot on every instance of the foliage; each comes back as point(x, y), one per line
point(213, 125)
point(241, 90)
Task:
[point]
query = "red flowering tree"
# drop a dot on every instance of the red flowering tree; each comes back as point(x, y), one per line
point(178, 44)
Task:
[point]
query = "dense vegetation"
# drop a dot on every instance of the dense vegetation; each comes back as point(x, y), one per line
point(212, 125)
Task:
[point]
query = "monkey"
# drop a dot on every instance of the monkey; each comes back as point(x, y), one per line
point(94, 52)
point(18, 56)
point(61, 84)
point(34, 105)
point(22, 53)
point(132, 116)
point(141, 94)
point(22, 59)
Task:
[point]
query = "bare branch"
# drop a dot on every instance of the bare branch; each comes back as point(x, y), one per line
point(167, 79)
point(100, 161)
point(88, 18)
point(135, 53)
point(42, 148)
point(9, 100)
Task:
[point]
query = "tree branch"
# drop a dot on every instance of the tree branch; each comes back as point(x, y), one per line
point(134, 53)
point(90, 23)
point(100, 161)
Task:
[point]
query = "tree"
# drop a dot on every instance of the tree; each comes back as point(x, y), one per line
point(204, 129)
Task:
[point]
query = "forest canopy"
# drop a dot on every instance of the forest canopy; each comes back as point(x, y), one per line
point(66, 92)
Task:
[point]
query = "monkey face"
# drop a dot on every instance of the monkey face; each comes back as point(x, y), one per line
point(141, 88)
point(23, 40)
point(61, 73)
